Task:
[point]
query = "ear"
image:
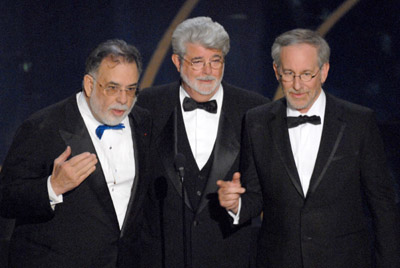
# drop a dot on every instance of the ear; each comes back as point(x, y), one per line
point(324, 72)
point(276, 71)
point(88, 84)
point(177, 62)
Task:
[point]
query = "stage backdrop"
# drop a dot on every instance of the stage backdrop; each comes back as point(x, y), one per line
point(44, 44)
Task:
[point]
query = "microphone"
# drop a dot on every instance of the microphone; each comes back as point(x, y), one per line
point(179, 164)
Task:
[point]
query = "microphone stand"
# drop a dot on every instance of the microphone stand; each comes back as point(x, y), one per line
point(184, 227)
point(179, 165)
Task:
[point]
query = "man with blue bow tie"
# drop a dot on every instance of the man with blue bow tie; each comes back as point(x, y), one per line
point(73, 177)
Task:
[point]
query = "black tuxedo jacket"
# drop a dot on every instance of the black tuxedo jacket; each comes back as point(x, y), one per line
point(82, 231)
point(212, 240)
point(350, 190)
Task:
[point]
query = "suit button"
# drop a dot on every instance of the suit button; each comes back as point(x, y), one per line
point(195, 223)
point(198, 193)
point(201, 177)
point(307, 238)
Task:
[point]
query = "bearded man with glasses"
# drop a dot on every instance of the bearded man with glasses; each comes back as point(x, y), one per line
point(199, 117)
point(315, 165)
point(74, 177)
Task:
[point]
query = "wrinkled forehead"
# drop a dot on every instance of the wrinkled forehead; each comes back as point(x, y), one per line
point(111, 61)
point(195, 50)
point(299, 55)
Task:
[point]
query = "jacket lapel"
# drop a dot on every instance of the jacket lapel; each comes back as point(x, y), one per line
point(79, 139)
point(280, 135)
point(165, 142)
point(226, 150)
point(139, 139)
point(166, 149)
point(332, 134)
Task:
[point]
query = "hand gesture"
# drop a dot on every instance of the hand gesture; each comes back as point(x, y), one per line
point(68, 174)
point(229, 193)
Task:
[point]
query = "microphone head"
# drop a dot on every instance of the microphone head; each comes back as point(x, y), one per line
point(179, 161)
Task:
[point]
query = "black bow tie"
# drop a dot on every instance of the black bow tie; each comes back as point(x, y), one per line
point(190, 105)
point(296, 121)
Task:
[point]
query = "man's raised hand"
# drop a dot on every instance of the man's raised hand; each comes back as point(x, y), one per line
point(229, 193)
point(68, 174)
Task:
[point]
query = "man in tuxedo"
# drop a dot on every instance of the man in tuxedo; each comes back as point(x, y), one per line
point(199, 117)
point(74, 176)
point(315, 165)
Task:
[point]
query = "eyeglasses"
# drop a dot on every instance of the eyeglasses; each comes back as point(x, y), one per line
point(199, 64)
point(289, 76)
point(113, 89)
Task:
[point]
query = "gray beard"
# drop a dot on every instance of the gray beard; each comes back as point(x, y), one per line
point(198, 90)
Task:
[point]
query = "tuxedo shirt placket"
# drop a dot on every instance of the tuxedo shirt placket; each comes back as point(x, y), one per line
point(201, 128)
point(116, 156)
point(305, 140)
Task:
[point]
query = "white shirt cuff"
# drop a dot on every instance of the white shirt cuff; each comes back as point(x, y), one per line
point(234, 216)
point(53, 197)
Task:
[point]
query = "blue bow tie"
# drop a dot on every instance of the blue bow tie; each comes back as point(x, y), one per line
point(100, 129)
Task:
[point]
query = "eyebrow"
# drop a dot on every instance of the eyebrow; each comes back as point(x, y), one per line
point(117, 84)
point(290, 70)
point(212, 57)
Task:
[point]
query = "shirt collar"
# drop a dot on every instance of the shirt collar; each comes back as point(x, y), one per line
point(85, 110)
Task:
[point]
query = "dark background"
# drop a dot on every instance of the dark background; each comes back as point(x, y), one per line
point(44, 44)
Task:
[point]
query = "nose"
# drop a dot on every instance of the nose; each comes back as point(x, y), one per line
point(122, 96)
point(207, 68)
point(296, 82)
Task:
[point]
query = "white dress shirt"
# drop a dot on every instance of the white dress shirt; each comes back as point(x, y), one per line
point(305, 140)
point(116, 156)
point(202, 127)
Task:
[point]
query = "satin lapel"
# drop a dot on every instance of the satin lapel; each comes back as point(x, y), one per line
point(226, 150)
point(79, 139)
point(166, 149)
point(332, 134)
point(281, 140)
point(131, 211)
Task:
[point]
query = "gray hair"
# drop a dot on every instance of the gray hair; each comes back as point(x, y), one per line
point(202, 31)
point(115, 48)
point(301, 36)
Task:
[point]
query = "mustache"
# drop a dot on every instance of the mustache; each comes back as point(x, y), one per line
point(207, 78)
point(291, 90)
point(121, 107)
